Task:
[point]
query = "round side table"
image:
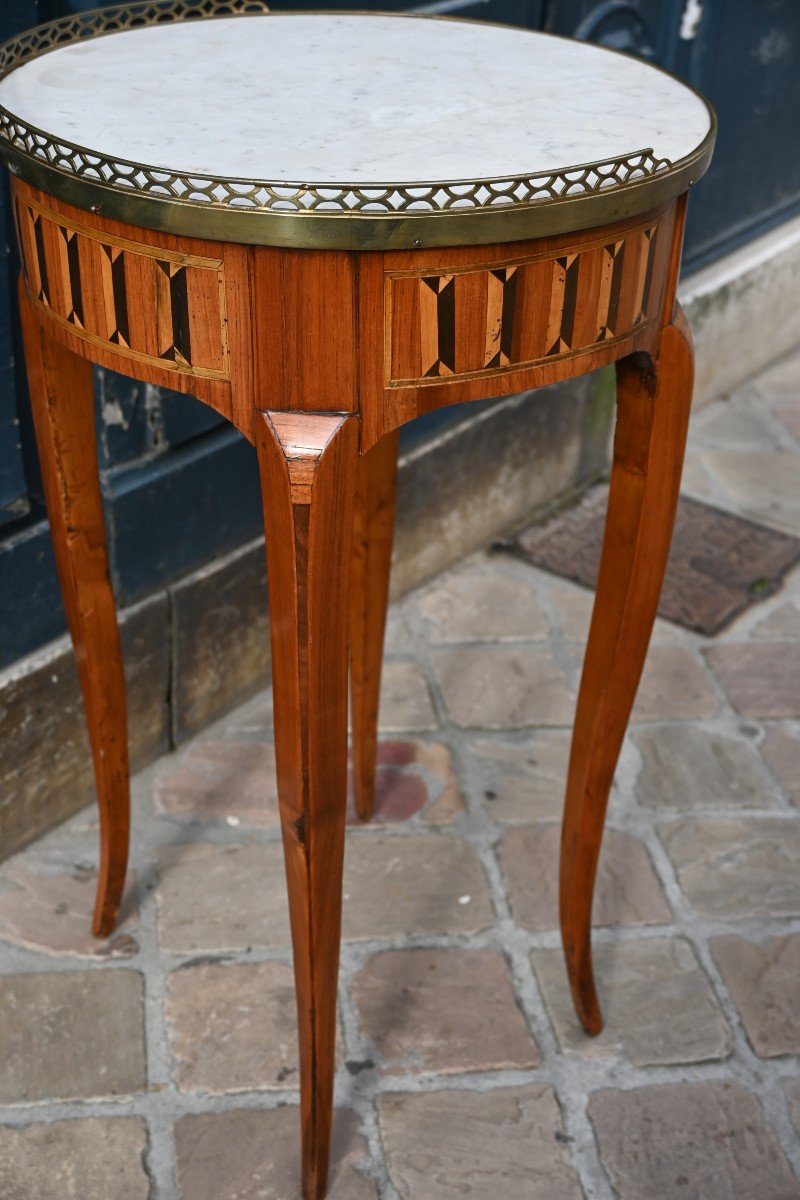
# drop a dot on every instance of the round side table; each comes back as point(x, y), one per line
point(323, 226)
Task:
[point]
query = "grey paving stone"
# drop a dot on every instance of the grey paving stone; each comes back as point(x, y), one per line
point(483, 1145)
point(764, 980)
point(482, 602)
point(761, 483)
point(426, 883)
point(628, 891)
point(212, 781)
point(71, 1035)
point(405, 700)
point(247, 1154)
point(781, 752)
point(232, 1027)
point(761, 679)
point(708, 1140)
point(573, 608)
point(658, 1004)
point(221, 897)
point(51, 912)
point(495, 687)
point(732, 868)
point(684, 767)
point(782, 624)
point(523, 781)
point(674, 687)
point(96, 1158)
point(791, 1089)
point(442, 1010)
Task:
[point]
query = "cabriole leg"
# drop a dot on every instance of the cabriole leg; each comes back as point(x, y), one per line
point(61, 392)
point(373, 531)
point(653, 404)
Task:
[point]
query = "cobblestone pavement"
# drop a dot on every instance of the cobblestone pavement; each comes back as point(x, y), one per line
point(163, 1063)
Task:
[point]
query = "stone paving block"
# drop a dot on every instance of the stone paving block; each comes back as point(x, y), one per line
point(782, 624)
point(680, 1140)
point(761, 679)
point(71, 1035)
point(501, 688)
point(781, 751)
point(764, 980)
point(95, 1158)
point(674, 687)
point(523, 781)
point(684, 767)
point(761, 483)
point(743, 421)
point(506, 1142)
point(737, 867)
point(412, 777)
point(628, 891)
point(221, 897)
point(791, 1089)
point(405, 700)
point(426, 883)
point(233, 782)
point(658, 1004)
point(397, 636)
point(789, 417)
point(249, 1154)
point(573, 608)
point(442, 1010)
point(232, 1027)
point(482, 602)
point(52, 912)
point(214, 780)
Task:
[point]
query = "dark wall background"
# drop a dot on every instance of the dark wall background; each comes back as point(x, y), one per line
point(165, 458)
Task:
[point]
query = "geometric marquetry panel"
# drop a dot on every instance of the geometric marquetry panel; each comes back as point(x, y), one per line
point(143, 302)
point(483, 321)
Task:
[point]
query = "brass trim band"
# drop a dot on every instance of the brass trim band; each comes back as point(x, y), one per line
point(330, 214)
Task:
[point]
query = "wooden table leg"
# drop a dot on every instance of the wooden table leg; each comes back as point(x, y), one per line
point(308, 473)
point(653, 404)
point(62, 399)
point(373, 532)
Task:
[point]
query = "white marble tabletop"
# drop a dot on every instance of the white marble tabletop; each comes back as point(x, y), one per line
point(360, 98)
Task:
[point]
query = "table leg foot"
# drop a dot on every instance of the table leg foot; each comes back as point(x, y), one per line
point(373, 531)
point(653, 404)
point(308, 468)
point(62, 400)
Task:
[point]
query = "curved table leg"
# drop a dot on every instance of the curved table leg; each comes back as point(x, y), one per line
point(308, 475)
point(373, 531)
point(653, 404)
point(62, 399)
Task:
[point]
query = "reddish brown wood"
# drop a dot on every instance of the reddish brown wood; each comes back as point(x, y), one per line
point(308, 471)
point(217, 278)
point(653, 404)
point(62, 399)
point(373, 532)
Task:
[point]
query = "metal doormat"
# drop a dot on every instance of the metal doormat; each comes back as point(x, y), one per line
point(718, 566)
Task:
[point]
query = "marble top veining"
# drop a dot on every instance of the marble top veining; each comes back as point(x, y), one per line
point(359, 98)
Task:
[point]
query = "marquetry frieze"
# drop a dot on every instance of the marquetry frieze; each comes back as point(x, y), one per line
point(474, 321)
point(142, 302)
